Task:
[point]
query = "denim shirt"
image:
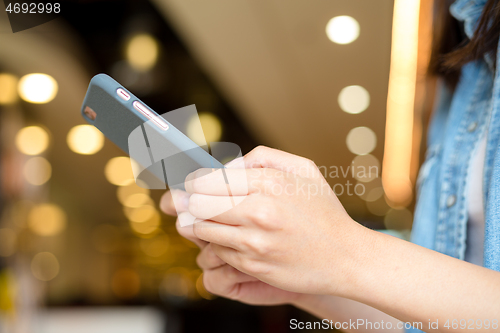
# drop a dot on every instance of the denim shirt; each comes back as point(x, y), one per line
point(459, 120)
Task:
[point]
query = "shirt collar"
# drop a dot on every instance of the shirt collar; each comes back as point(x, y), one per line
point(469, 12)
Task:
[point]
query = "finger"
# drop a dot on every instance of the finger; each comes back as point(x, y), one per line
point(224, 209)
point(240, 182)
point(221, 181)
point(265, 157)
point(229, 255)
point(174, 202)
point(224, 280)
point(188, 233)
point(207, 259)
point(218, 233)
point(186, 218)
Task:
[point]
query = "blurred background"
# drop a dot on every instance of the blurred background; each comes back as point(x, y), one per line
point(84, 249)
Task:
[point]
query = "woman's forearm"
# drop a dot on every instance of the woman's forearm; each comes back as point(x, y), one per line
point(415, 284)
point(347, 315)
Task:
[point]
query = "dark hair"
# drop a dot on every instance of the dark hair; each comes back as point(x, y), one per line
point(451, 49)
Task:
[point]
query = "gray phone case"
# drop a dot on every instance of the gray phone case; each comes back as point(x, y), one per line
point(169, 154)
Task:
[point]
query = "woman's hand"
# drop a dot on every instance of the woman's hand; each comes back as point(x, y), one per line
point(288, 230)
point(218, 277)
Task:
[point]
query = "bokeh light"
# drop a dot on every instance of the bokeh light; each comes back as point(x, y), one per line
point(37, 170)
point(354, 99)
point(137, 200)
point(398, 219)
point(366, 168)
point(212, 128)
point(118, 171)
point(342, 29)
point(126, 283)
point(375, 194)
point(124, 192)
point(37, 88)
point(46, 219)
point(176, 283)
point(7, 242)
point(200, 288)
point(8, 89)
point(32, 140)
point(140, 214)
point(148, 226)
point(142, 52)
point(361, 140)
point(155, 246)
point(85, 139)
point(407, 59)
point(45, 266)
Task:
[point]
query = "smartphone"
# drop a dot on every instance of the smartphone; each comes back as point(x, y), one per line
point(163, 154)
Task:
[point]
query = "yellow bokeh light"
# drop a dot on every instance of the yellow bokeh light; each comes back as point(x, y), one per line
point(8, 89)
point(123, 192)
point(45, 266)
point(37, 88)
point(32, 140)
point(118, 171)
point(342, 29)
point(46, 219)
point(176, 283)
point(399, 135)
point(211, 125)
point(137, 200)
point(85, 139)
point(148, 226)
point(140, 214)
point(142, 52)
point(156, 246)
point(37, 171)
point(126, 283)
point(200, 288)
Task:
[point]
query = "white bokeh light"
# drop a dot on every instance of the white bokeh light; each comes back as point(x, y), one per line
point(361, 140)
point(354, 99)
point(37, 88)
point(342, 29)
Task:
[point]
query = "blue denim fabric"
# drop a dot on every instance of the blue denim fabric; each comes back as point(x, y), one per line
point(459, 119)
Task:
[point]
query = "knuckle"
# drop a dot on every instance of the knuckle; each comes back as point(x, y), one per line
point(256, 153)
point(310, 164)
point(208, 284)
point(252, 267)
point(201, 261)
point(212, 258)
point(260, 149)
point(263, 214)
point(256, 245)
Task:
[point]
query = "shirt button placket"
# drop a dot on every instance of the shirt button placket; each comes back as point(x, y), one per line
point(450, 201)
point(472, 127)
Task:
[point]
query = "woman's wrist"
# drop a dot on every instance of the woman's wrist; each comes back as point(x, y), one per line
point(352, 270)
